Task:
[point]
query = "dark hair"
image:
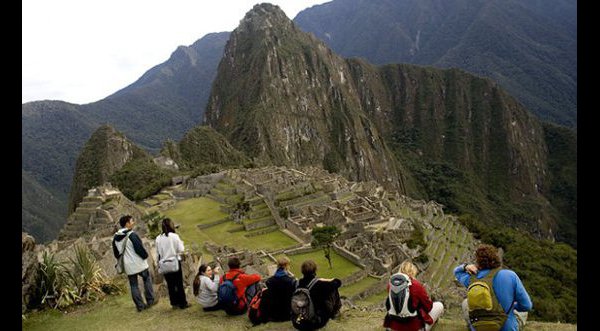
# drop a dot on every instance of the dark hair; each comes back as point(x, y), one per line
point(487, 257)
point(308, 268)
point(234, 263)
point(196, 284)
point(167, 226)
point(123, 220)
point(202, 268)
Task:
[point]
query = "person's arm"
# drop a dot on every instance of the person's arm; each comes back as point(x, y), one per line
point(249, 279)
point(521, 297)
point(418, 291)
point(138, 247)
point(179, 249)
point(463, 273)
point(115, 249)
point(213, 285)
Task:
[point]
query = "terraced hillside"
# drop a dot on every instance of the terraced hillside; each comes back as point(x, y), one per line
point(272, 210)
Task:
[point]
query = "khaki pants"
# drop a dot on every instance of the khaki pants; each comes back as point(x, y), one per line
point(436, 311)
point(521, 316)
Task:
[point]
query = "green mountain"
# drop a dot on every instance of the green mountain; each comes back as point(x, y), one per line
point(45, 214)
point(528, 47)
point(54, 132)
point(203, 146)
point(106, 152)
point(283, 97)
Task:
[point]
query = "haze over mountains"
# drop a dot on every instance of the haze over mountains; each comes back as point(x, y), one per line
point(170, 99)
point(528, 47)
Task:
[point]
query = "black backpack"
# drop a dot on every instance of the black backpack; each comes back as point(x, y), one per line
point(303, 312)
point(227, 295)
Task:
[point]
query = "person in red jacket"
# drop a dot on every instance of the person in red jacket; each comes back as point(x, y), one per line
point(428, 312)
point(242, 281)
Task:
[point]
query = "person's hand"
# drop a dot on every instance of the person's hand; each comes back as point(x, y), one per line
point(471, 269)
point(217, 269)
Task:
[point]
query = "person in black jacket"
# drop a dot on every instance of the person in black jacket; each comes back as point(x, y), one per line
point(280, 286)
point(324, 293)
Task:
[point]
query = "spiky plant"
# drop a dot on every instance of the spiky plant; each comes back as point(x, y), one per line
point(86, 276)
point(51, 279)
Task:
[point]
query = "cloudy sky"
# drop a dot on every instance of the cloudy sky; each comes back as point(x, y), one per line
point(81, 51)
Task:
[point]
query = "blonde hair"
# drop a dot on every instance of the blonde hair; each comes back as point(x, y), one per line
point(408, 268)
point(283, 262)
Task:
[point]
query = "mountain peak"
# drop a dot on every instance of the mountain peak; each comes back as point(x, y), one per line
point(262, 17)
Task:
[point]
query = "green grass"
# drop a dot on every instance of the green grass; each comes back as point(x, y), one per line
point(189, 213)
point(118, 313)
point(374, 299)
point(358, 287)
point(192, 212)
point(341, 266)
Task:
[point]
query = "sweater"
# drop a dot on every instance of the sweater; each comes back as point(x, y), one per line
point(508, 288)
point(169, 246)
point(207, 294)
point(325, 297)
point(280, 286)
point(420, 301)
point(134, 258)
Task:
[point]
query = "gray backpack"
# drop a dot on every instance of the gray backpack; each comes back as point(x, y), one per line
point(302, 307)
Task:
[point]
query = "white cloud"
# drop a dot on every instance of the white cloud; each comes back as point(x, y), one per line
point(82, 51)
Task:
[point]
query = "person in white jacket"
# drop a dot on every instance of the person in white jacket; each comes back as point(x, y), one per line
point(168, 246)
point(206, 285)
point(134, 262)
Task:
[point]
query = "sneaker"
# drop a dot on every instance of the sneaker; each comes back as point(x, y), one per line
point(187, 305)
point(142, 308)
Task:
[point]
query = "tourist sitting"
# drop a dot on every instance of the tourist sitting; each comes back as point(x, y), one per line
point(280, 286)
point(206, 285)
point(408, 306)
point(323, 294)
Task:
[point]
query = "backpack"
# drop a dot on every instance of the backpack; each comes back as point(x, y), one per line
point(252, 290)
point(256, 308)
point(485, 312)
point(120, 266)
point(303, 312)
point(399, 297)
point(227, 296)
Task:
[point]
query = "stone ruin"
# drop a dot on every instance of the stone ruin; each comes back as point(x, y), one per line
point(98, 213)
point(370, 218)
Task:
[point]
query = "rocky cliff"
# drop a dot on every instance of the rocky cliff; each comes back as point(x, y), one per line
point(283, 97)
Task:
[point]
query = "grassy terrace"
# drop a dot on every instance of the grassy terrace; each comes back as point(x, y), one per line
point(358, 287)
point(189, 213)
point(341, 266)
point(118, 313)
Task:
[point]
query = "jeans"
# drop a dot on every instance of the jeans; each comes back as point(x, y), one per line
point(135, 291)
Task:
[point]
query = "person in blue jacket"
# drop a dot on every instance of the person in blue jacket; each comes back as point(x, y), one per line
point(508, 288)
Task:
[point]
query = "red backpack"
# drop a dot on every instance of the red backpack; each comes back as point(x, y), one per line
point(256, 308)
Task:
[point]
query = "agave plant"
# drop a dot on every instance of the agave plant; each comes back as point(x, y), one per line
point(52, 278)
point(86, 276)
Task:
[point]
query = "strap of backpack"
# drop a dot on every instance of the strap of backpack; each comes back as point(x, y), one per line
point(312, 283)
point(232, 279)
point(125, 243)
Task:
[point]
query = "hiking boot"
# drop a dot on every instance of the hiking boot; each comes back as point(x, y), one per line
point(187, 305)
point(139, 309)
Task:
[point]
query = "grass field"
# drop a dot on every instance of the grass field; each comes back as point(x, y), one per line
point(189, 213)
point(358, 287)
point(341, 266)
point(117, 313)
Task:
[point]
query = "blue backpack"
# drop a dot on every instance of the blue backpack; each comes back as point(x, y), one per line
point(227, 295)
